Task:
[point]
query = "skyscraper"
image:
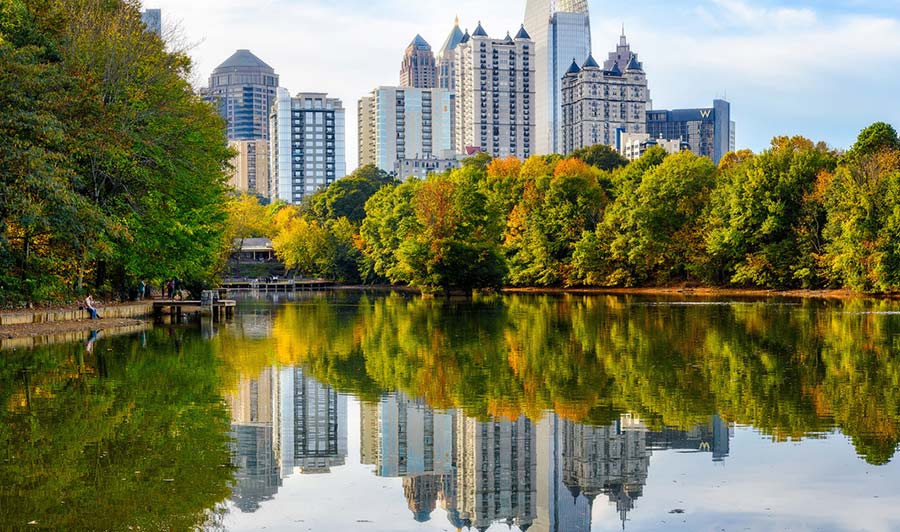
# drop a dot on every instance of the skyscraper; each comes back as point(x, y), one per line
point(152, 19)
point(255, 444)
point(307, 145)
point(243, 88)
point(365, 125)
point(495, 95)
point(709, 132)
point(447, 73)
point(419, 69)
point(598, 103)
point(447, 59)
point(400, 124)
point(561, 30)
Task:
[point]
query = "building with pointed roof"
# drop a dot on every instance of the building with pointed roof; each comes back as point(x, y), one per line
point(243, 89)
point(419, 68)
point(495, 95)
point(599, 104)
point(447, 58)
point(561, 30)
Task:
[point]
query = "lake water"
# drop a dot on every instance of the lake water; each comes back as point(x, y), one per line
point(368, 412)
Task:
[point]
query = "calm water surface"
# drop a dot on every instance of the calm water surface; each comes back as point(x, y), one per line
point(389, 413)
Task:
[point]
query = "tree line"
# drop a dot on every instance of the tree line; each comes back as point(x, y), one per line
point(112, 170)
point(797, 215)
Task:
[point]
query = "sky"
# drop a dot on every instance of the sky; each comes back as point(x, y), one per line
point(824, 69)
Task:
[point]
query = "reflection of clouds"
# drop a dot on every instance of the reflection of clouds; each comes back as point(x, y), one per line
point(769, 487)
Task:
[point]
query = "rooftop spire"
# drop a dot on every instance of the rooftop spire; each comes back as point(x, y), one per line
point(623, 40)
point(456, 21)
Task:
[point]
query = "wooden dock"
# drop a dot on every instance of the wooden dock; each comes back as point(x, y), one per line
point(177, 308)
point(291, 285)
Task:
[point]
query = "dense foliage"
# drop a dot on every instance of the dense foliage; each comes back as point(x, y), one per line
point(797, 215)
point(111, 168)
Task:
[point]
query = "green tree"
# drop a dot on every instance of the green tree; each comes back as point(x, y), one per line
point(347, 197)
point(654, 231)
point(116, 166)
point(863, 226)
point(766, 218)
point(544, 227)
point(600, 156)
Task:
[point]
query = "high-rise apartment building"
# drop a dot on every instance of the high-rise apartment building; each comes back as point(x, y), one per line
point(243, 89)
point(366, 130)
point(419, 68)
point(307, 147)
point(709, 132)
point(250, 167)
point(561, 30)
point(599, 103)
point(152, 19)
point(400, 125)
point(495, 95)
point(610, 460)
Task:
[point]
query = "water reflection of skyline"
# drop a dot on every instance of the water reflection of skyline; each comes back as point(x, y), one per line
point(539, 476)
point(283, 423)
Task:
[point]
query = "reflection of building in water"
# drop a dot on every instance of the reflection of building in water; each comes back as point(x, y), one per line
point(255, 441)
point(406, 438)
point(542, 477)
point(557, 510)
point(496, 472)
point(713, 437)
point(610, 460)
point(314, 425)
point(422, 492)
point(368, 431)
point(256, 323)
point(413, 438)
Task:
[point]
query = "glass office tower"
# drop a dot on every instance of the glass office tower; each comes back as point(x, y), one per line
point(561, 30)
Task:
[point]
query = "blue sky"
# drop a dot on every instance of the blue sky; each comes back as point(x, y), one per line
point(822, 69)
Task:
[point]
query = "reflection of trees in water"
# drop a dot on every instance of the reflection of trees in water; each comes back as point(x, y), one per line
point(790, 371)
point(113, 439)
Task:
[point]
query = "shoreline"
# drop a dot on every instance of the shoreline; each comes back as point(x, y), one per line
point(31, 330)
point(31, 335)
point(46, 329)
point(706, 292)
point(677, 291)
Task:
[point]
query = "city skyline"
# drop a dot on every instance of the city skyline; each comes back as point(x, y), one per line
point(810, 42)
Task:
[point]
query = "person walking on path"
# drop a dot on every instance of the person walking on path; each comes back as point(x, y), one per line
point(89, 306)
point(142, 289)
point(170, 288)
